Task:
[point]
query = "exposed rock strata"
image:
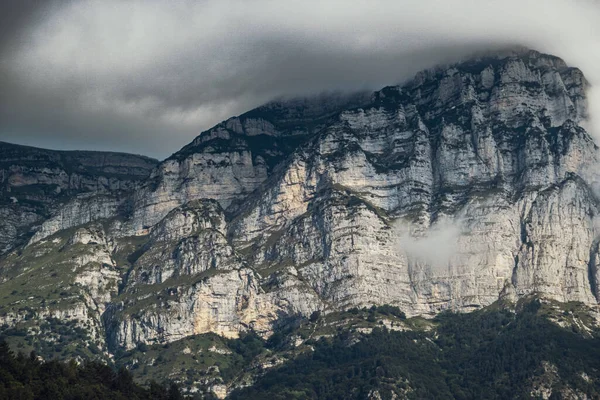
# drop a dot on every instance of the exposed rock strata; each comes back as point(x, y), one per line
point(36, 183)
point(468, 183)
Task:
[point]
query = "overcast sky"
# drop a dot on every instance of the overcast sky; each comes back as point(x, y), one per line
point(148, 76)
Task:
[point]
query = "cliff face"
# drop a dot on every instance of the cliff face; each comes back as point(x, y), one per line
point(231, 160)
point(36, 183)
point(484, 147)
point(457, 188)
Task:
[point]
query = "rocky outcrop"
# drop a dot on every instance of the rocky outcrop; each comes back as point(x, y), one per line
point(190, 240)
point(231, 160)
point(35, 184)
point(79, 211)
point(70, 171)
point(224, 302)
point(66, 281)
point(189, 280)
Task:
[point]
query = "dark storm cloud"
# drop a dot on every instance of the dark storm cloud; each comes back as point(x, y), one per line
point(147, 76)
point(15, 17)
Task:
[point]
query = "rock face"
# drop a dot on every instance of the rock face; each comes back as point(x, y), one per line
point(36, 183)
point(231, 160)
point(466, 184)
point(483, 145)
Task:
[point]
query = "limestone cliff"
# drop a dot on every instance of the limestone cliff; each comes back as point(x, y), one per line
point(466, 184)
point(36, 183)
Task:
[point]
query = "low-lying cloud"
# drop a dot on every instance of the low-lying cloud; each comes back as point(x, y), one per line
point(436, 247)
point(147, 76)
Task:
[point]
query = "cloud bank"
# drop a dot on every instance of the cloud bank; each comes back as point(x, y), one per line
point(436, 247)
point(148, 76)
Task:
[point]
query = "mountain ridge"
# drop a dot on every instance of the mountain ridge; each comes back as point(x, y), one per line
point(291, 210)
point(35, 182)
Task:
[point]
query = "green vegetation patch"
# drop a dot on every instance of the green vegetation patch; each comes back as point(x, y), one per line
point(487, 354)
point(42, 275)
point(25, 377)
point(52, 338)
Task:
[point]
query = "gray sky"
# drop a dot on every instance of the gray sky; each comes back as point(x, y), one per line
point(148, 76)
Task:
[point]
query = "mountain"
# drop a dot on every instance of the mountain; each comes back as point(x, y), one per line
point(36, 183)
point(469, 185)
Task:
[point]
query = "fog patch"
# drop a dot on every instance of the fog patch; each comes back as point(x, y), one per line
point(437, 246)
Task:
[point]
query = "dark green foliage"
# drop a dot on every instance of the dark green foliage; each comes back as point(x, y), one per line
point(61, 339)
point(276, 340)
point(389, 310)
point(249, 345)
point(314, 317)
point(28, 378)
point(245, 349)
point(482, 355)
point(142, 347)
